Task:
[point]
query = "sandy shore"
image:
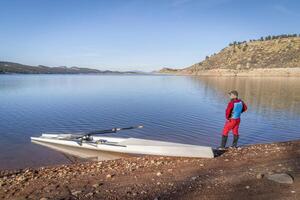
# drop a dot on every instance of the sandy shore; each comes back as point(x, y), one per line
point(236, 174)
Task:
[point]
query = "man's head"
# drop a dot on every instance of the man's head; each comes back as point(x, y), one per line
point(233, 94)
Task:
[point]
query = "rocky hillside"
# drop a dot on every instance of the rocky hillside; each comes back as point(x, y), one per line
point(255, 54)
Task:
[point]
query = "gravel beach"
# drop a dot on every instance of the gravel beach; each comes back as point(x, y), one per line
point(264, 171)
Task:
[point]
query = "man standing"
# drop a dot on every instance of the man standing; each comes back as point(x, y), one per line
point(233, 113)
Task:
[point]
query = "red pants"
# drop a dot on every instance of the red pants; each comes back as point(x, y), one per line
point(232, 124)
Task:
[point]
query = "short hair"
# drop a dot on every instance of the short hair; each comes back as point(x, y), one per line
point(234, 92)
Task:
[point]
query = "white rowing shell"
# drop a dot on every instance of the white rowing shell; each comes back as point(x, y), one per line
point(131, 146)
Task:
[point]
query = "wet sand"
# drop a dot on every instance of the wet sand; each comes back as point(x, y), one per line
point(236, 174)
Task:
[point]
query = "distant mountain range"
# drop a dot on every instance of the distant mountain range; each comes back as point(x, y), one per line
point(16, 68)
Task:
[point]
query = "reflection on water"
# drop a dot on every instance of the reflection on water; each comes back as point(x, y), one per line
point(264, 94)
point(171, 108)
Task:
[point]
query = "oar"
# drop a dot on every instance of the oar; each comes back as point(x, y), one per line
point(113, 130)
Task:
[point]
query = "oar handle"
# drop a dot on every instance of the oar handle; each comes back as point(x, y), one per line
point(128, 128)
point(101, 132)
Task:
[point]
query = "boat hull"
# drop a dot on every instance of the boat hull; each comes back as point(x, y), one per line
point(132, 146)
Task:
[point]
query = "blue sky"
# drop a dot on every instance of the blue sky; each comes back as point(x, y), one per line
point(135, 34)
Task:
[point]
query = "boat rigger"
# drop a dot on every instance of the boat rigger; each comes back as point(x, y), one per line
point(93, 141)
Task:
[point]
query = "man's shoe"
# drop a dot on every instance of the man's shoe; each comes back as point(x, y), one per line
point(223, 143)
point(235, 141)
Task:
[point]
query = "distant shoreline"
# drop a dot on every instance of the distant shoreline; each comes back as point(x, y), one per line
point(257, 72)
point(17, 68)
point(100, 74)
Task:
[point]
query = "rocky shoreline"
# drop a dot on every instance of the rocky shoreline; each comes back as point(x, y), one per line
point(265, 171)
point(259, 72)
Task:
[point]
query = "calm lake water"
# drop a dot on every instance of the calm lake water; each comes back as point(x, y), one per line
point(180, 109)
